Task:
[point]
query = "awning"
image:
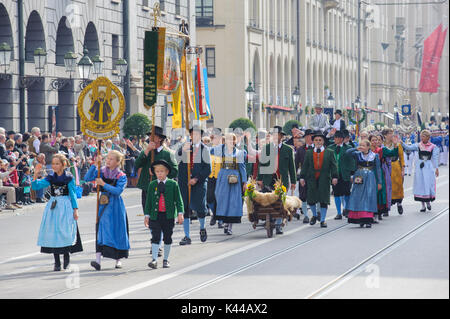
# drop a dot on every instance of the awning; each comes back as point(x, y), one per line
point(389, 115)
point(279, 108)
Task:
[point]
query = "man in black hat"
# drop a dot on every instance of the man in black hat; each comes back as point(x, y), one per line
point(318, 172)
point(144, 161)
point(195, 154)
point(277, 162)
point(345, 166)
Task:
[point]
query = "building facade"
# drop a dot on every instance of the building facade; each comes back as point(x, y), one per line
point(249, 41)
point(112, 29)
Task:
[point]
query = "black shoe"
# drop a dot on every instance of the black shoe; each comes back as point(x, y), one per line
point(225, 229)
point(297, 215)
point(313, 220)
point(400, 209)
point(323, 224)
point(423, 210)
point(385, 214)
point(368, 226)
point(306, 220)
point(338, 217)
point(374, 222)
point(380, 217)
point(185, 241)
point(153, 264)
point(361, 225)
point(66, 263)
point(57, 268)
point(166, 264)
point(40, 200)
point(345, 213)
point(219, 225)
point(96, 265)
point(301, 211)
point(279, 230)
point(203, 235)
point(229, 232)
point(428, 206)
point(212, 222)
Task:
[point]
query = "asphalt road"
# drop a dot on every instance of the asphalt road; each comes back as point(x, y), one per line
point(402, 257)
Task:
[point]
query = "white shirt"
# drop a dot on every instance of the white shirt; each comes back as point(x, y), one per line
point(321, 149)
point(159, 149)
point(164, 181)
point(36, 144)
point(337, 124)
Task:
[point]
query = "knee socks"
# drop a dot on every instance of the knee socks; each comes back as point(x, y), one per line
point(186, 227)
point(57, 260)
point(305, 208)
point(167, 251)
point(338, 202)
point(202, 223)
point(323, 213)
point(313, 210)
point(155, 249)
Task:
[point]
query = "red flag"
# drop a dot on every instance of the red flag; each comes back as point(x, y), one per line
point(432, 53)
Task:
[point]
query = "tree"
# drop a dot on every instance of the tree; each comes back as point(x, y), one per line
point(242, 123)
point(288, 126)
point(137, 125)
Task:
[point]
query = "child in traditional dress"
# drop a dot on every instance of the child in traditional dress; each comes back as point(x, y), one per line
point(58, 234)
point(112, 226)
point(164, 204)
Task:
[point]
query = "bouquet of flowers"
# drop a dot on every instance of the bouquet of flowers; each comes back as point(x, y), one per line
point(280, 191)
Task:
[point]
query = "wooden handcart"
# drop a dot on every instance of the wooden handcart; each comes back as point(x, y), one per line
point(269, 214)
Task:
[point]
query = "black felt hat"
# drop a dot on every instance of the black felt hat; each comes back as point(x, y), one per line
point(319, 134)
point(158, 132)
point(339, 134)
point(279, 130)
point(338, 112)
point(308, 132)
point(160, 162)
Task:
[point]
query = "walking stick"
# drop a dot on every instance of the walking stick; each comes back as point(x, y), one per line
point(98, 176)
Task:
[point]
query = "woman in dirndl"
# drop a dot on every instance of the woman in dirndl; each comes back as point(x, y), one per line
point(112, 227)
point(366, 182)
point(426, 170)
point(230, 183)
point(58, 233)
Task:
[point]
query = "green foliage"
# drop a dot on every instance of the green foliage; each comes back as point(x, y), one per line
point(243, 123)
point(137, 125)
point(288, 126)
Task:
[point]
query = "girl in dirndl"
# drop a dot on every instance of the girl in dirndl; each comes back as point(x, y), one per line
point(112, 227)
point(230, 183)
point(366, 182)
point(58, 234)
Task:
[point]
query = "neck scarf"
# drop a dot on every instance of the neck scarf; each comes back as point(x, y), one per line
point(110, 174)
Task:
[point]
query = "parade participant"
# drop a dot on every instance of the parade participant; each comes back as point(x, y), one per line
point(347, 139)
point(58, 233)
point(426, 169)
point(163, 206)
point(338, 122)
point(277, 162)
point(143, 162)
point(319, 121)
point(295, 134)
point(112, 226)
point(231, 182)
point(216, 161)
point(408, 156)
point(299, 160)
point(200, 168)
point(345, 166)
point(375, 142)
point(395, 156)
point(318, 172)
point(362, 204)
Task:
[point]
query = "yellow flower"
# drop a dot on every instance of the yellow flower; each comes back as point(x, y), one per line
point(283, 188)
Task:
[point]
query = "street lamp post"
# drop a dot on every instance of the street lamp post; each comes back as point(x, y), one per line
point(331, 102)
point(380, 108)
point(40, 59)
point(70, 63)
point(122, 66)
point(357, 107)
point(249, 94)
point(85, 67)
point(295, 100)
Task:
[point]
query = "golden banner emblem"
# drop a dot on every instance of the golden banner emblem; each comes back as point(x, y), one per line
point(101, 106)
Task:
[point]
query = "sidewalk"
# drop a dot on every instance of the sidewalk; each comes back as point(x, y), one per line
point(40, 206)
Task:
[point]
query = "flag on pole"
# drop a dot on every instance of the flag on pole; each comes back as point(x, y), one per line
point(177, 119)
point(419, 119)
point(397, 119)
point(432, 52)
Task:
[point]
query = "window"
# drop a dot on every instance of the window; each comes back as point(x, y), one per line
point(211, 61)
point(115, 50)
point(145, 3)
point(162, 5)
point(177, 7)
point(204, 12)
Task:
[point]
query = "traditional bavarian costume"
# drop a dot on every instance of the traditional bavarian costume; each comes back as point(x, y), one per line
point(112, 227)
point(59, 233)
point(363, 199)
